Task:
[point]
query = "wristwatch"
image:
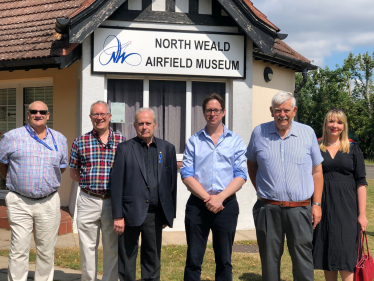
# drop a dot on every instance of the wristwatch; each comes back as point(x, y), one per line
point(316, 203)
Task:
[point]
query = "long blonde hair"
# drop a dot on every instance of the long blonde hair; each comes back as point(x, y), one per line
point(344, 142)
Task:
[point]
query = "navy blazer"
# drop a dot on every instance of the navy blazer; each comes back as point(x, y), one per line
point(129, 189)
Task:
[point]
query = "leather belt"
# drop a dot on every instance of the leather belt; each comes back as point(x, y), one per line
point(228, 199)
point(101, 196)
point(290, 204)
point(50, 194)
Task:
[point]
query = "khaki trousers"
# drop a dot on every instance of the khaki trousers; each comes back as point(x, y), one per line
point(44, 216)
point(95, 214)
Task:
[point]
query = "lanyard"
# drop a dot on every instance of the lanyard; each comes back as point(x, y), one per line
point(35, 137)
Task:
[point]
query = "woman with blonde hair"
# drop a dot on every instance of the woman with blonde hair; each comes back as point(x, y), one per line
point(343, 200)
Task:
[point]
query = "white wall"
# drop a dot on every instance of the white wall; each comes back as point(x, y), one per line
point(93, 88)
point(242, 125)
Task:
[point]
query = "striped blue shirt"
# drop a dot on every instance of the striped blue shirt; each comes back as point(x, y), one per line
point(214, 167)
point(284, 165)
point(34, 170)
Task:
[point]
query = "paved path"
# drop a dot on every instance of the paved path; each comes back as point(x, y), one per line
point(370, 172)
point(71, 240)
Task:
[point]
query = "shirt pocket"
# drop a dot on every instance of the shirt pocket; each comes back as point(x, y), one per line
point(299, 156)
point(53, 159)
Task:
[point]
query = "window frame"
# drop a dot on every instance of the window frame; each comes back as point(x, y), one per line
point(19, 85)
point(188, 80)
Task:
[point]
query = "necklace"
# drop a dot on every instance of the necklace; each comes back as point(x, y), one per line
point(335, 143)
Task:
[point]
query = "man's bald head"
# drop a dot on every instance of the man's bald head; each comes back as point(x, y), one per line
point(37, 103)
point(38, 115)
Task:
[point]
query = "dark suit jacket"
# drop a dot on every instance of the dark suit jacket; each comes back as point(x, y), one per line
point(128, 183)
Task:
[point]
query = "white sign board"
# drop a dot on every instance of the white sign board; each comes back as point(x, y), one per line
point(118, 112)
point(166, 52)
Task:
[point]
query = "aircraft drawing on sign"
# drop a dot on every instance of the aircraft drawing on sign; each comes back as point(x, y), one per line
point(114, 51)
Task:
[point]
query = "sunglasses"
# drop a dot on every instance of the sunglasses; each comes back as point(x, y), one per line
point(42, 112)
point(337, 109)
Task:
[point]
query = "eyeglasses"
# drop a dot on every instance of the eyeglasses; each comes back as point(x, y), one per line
point(210, 111)
point(337, 109)
point(42, 112)
point(102, 115)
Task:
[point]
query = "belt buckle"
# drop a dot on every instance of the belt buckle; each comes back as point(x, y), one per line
point(280, 204)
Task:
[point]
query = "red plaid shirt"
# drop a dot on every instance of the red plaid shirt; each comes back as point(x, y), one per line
point(94, 159)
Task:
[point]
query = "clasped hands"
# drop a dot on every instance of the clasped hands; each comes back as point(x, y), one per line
point(214, 203)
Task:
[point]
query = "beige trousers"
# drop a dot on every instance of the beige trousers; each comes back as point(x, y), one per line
point(44, 216)
point(95, 214)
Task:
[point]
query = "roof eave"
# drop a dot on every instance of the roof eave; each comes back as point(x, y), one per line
point(284, 61)
point(84, 23)
point(44, 63)
point(261, 35)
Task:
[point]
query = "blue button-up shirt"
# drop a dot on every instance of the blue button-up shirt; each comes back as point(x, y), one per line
point(284, 165)
point(34, 170)
point(214, 167)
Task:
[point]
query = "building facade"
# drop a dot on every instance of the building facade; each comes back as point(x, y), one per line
point(164, 54)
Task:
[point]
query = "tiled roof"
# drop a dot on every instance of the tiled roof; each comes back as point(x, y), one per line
point(27, 27)
point(260, 15)
point(282, 48)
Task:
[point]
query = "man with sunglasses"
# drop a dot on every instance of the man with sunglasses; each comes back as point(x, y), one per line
point(213, 170)
point(32, 159)
point(91, 160)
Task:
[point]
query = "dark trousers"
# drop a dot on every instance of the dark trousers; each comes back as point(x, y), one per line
point(198, 221)
point(128, 243)
point(272, 223)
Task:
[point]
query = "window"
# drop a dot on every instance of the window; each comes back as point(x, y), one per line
point(177, 105)
point(44, 94)
point(15, 98)
point(168, 100)
point(129, 92)
point(199, 91)
point(7, 110)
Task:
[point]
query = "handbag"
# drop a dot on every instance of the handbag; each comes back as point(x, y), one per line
point(364, 270)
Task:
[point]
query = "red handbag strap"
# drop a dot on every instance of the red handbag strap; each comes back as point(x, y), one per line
point(358, 248)
point(367, 245)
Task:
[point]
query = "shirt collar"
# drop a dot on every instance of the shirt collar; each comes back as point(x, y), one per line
point(110, 137)
point(154, 141)
point(96, 134)
point(226, 131)
point(293, 130)
point(34, 132)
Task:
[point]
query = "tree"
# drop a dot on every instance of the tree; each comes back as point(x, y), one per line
point(350, 88)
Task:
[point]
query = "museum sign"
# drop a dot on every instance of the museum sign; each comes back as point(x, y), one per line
point(139, 51)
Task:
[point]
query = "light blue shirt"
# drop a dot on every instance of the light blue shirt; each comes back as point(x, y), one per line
point(214, 167)
point(34, 170)
point(284, 165)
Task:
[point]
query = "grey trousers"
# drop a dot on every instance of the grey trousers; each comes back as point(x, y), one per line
point(272, 223)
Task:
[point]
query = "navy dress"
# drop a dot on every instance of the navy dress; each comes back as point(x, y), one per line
point(335, 237)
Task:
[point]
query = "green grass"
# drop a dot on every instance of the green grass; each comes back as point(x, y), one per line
point(245, 266)
point(369, 161)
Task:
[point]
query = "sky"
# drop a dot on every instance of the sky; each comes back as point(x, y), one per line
point(324, 31)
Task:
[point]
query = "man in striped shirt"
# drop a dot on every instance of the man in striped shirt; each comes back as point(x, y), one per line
point(284, 165)
point(91, 160)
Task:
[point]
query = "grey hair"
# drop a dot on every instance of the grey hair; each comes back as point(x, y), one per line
point(100, 102)
point(144, 109)
point(281, 97)
point(28, 109)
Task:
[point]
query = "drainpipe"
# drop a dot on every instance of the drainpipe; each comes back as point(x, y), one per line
point(299, 87)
